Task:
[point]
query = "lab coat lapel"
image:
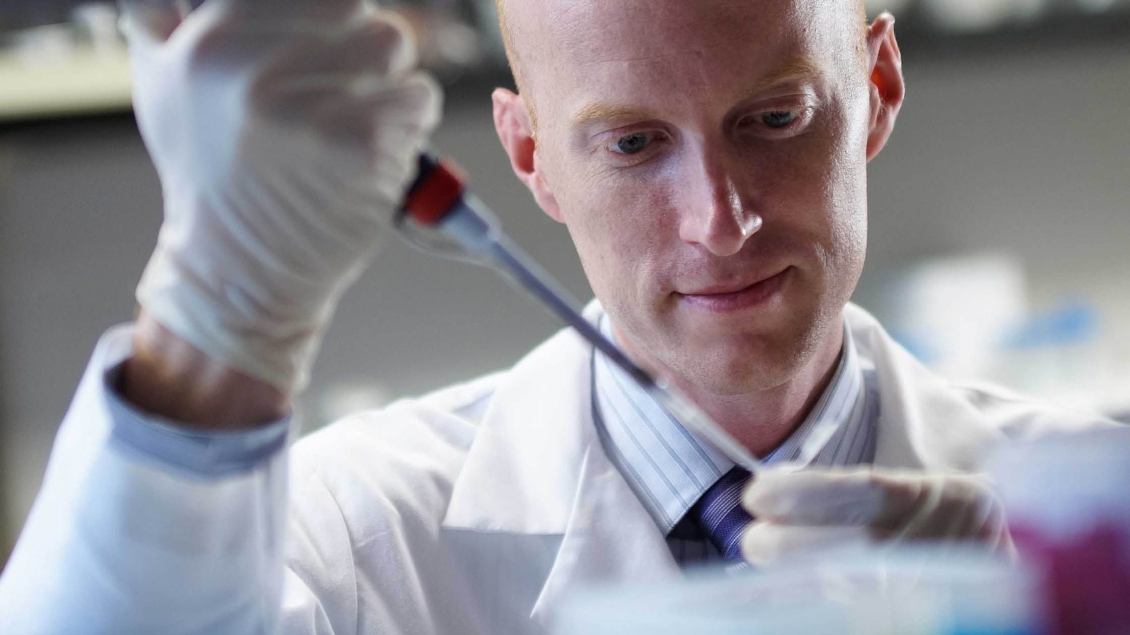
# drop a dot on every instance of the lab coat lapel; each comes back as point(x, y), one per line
point(523, 469)
point(610, 539)
point(537, 468)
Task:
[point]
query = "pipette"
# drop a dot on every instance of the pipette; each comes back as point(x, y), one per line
point(439, 200)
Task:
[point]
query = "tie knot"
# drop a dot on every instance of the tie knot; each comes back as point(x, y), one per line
point(721, 515)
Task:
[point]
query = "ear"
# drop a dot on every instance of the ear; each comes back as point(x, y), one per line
point(515, 131)
point(888, 89)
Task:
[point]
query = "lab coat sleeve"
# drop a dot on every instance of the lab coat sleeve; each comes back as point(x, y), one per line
point(141, 527)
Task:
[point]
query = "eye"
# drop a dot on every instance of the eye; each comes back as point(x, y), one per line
point(632, 143)
point(778, 118)
point(784, 121)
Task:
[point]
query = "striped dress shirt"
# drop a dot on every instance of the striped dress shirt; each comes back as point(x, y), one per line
point(669, 468)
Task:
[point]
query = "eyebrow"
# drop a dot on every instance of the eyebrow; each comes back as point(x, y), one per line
point(595, 112)
point(798, 68)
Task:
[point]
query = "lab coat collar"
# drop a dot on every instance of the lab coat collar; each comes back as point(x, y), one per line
point(548, 474)
point(523, 471)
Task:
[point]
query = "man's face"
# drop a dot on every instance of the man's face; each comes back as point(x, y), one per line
point(709, 159)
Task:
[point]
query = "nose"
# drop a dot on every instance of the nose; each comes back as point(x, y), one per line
point(714, 213)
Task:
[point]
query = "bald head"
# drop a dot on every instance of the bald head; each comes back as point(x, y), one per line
point(519, 23)
point(508, 39)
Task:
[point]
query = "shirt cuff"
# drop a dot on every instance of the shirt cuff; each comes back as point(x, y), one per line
point(205, 454)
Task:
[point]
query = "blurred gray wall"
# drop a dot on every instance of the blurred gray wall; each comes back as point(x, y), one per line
point(1024, 151)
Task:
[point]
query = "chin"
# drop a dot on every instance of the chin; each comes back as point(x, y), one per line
point(742, 363)
point(737, 374)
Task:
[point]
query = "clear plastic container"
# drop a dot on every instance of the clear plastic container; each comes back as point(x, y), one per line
point(903, 591)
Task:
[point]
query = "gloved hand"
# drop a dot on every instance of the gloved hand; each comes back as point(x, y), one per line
point(818, 508)
point(284, 133)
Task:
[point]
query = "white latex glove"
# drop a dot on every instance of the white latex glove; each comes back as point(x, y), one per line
point(820, 508)
point(284, 133)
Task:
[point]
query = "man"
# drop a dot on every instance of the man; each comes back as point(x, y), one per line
point(709, 160)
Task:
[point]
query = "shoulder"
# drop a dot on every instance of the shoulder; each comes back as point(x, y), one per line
point(931, 420)
point(1023, 417)
point(409, 454)
point(404, 457)
point(445, 419)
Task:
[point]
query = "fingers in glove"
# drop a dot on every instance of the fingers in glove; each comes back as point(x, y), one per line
point(315, 71)
point(381, 46)
point(984, 519)
point(891, 505)
point(309, 10)
point(277, 53)
point(992, 520)
point(931, 506)
point(909, 504)
point(940, 508)
point(386, 131)
point(381, 117)
point(151, 21)
point(814, 497)
point(765, 543)
point(988, 523)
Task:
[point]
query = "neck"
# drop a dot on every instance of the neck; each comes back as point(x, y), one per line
point(762, 420)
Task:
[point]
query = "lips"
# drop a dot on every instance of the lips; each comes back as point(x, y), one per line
point(724, 298)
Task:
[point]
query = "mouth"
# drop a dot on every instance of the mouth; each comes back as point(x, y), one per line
point(736, 297)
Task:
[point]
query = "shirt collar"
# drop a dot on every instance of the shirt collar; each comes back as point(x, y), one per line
point(670, 468)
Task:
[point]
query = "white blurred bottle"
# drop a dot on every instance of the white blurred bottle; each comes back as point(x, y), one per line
point(951, 312)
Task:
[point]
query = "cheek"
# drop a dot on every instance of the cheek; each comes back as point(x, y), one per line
point(843, 228)
point(827, 191)
point(619, 227)
point(847, 191)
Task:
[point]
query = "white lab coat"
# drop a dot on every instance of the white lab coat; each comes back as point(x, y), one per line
point(472, 510)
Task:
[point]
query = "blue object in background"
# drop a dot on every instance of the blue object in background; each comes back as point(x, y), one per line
point(1073, 324)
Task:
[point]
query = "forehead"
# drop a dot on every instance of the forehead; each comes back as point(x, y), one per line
point(570, 49)
point(599, 31)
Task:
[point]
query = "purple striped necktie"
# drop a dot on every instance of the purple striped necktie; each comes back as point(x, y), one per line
point(721, 515)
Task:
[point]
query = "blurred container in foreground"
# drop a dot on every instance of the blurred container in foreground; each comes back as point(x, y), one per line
point(1068, 504)
point(897, 591)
